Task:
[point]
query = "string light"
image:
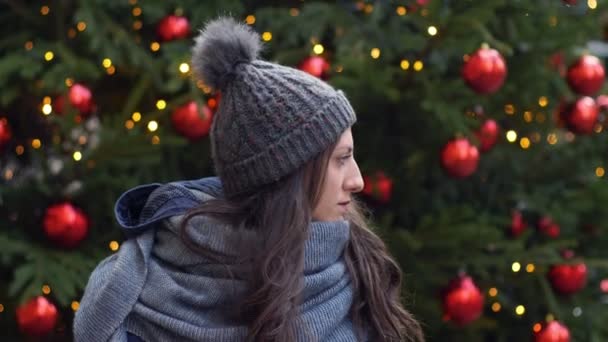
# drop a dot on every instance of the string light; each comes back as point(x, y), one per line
point(47, 109)
point(69, 82)
point(542, 101)
point(155, 140)
point(46, 289)
point(516, 266)
point(29, 45)
point(509, 109)
point(250, 20)
point(114, 245)
point(36, 143)
point(520, 310)
point(493, 292)
point(599, 171)
point(136, 116)
point(496, 307)
point(19, 150)
point(48, 56)
point(8, 174)
point(1, 308)
point(267, 36)
point(161, 104)
point(318, 49)
point(129, 124)
point(405, 64)
point(511, 136)
point(152, 126)
point(549, 317)
point(418, 65)
point(537, 327)
point(375, 53)
point(530, 268)
point(106, 63)
point(552, 138)
point(528, 117)
point(369, 8)
point(184, 68)
point(75, 306)
point(524, 143)
point(137, 24)
point(44, 10)
point(77, 156)
point(136, 11)
point(81, 26)
point(294, 12)
point(592, 4)
point(154, 46)
point(71, 33)
point(111, 70)
point(432, 30)
point(598, 128)
point(401, 10)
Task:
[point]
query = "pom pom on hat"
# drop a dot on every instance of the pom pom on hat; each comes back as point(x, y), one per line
point(220, 47)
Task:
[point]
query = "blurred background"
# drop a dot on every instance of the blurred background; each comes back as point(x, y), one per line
point(480, 134)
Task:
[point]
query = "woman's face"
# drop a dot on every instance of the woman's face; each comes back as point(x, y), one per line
point(342, 179)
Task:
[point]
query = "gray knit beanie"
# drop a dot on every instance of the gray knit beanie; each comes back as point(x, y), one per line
point(271, 119)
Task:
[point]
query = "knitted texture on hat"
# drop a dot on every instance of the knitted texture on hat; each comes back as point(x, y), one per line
point(272, 119)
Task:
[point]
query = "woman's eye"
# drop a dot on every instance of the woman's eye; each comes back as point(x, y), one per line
point(344, 159)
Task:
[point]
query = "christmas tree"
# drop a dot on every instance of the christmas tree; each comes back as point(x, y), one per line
point(480, 135)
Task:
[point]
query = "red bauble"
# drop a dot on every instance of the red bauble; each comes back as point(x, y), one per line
point(81, 98)
point(554, 331)
point(173, 27)
point(586, 75)
point(65, 224)
point(5, 133)
point(462, 301)
point(37, 317)
point(518, 225)
point(316, 66)
point(488, 135)
point(581, 116)
point(459, 158)
point(192, 121)
point(548, 227)
point(568, 278)
point(379, 187)
point(485, 71)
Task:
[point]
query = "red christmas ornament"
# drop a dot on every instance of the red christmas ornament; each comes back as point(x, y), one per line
point(518, 225)
point(462, 301)
point(65, 224)
point(173, 27)
point(581, 116)
point(192, 121)
point(568, 278)
point(316, 66)
point(37, 317)
point(459, 158)
point(586, 75)
point(554, 331)
point(548, 227)
point(485, 71)
point(379, 187)
point(81, 98)
point(488, 135)
point(5, 133)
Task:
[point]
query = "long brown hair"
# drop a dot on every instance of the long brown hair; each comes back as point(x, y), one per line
point(281, 214)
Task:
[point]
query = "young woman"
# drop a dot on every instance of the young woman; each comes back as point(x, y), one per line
point(274, 249)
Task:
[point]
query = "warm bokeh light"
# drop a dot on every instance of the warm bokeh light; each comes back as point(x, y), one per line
point(161, 104)
point(405, 64)
point(524, 143)
point(184, 68)
point(47, 109)
point(496, 307)
point(136, 116)
point(375, 53)
point(418, 65)
point(154, 46)
point(318, 49)
point(493, 292)
point(44, 10)
point(530, 268)
point(114, 245)
point(106, 63)
point(520, 310)
point(81, 26)
point(152, 126)
point(432, 30)
point(75, 306)
point(599, 171)
point(542, 101)
point(250, 20)
point(77, 156)
point(48, 56)
point(267, 36)
point(36, 143)
point(516, 266)
point(509, 109)
point(511, 135)
point(401, 10)
point(46, 289)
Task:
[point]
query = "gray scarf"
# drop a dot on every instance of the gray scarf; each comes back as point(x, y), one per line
point(158, 289)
